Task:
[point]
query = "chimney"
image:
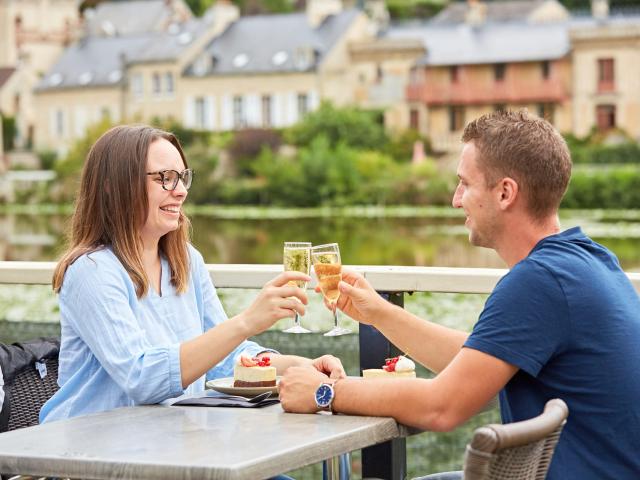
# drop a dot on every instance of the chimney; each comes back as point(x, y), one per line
point(600, 9)
point(378, 13)
point(222, 14)
point(476, 12)
point(318, 10)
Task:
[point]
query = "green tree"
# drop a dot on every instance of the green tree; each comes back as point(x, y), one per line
point(198, 7)
point(68, 168)
point(8, 132)
point(319, 175)
point(353, 127)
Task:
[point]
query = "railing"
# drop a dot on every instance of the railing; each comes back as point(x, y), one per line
point(384, 279)
point(387, 460)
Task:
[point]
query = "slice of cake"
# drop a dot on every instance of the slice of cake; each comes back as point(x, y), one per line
point(397, 367)
point(254, 372)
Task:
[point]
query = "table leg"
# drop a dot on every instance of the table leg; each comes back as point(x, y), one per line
point(337, 468)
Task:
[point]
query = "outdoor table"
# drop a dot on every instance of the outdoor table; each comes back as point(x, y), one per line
point(159, 442)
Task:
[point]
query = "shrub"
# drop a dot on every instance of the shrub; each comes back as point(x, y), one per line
point(400, 147)
point(247, 145)
point(8, 132)
point(352, 127)
point(47, 159)
point(204, 160)
point(610, 188)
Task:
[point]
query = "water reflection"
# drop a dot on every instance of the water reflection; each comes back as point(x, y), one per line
point(423, 241)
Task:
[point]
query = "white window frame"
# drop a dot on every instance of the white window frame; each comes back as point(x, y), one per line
point(137, 86)
point(169, 84)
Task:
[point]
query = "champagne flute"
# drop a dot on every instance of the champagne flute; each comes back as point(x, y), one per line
point(296, 258)
point(328, 268)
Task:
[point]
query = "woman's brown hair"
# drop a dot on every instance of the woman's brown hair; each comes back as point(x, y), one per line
point(112, 207)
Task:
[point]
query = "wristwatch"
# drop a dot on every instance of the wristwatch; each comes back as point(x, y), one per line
point(324, 396)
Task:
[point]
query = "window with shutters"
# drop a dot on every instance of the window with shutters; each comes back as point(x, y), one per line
point(200, 113)
point(266, 103)
point(606, 77)
point(456, 118)
point(606, 117)
point(239, 120)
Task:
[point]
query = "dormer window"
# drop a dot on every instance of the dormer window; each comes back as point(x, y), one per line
point(55, 79)
point(240, 60)
point(304, 58)
point(85, 78)
point(115, 76)
point(108, 28)
point(201, 65)
point(185, 38)
point(279, 58)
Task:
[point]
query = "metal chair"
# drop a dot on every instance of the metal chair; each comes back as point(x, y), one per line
point(516, 451)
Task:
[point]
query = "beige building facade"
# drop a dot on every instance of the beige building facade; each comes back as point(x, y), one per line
point(33, 33)
point(606, 78)
point(222, 77)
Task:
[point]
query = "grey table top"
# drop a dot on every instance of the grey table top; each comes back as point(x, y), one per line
point(188, 443)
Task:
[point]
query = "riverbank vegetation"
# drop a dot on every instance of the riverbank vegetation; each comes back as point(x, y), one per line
point(341, 157)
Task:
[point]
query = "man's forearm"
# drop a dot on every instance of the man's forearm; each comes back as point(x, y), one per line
point(409, 401)
point(430, 344)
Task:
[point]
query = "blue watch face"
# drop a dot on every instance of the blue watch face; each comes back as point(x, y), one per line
point(324, 395)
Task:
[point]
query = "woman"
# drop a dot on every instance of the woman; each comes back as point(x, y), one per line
point(141, 321)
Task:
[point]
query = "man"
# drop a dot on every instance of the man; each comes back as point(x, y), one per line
point(564, 322)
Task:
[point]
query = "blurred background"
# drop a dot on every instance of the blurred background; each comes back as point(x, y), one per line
point(316, 120)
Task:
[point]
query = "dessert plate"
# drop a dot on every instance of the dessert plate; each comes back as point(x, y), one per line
point(225, 385)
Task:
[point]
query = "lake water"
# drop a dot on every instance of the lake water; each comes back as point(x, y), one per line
point(437, 238)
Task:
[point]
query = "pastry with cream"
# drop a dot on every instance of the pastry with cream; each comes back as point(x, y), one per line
point(396, 367)
point(254, 372)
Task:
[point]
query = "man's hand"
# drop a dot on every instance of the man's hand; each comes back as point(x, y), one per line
point(359, 300)
point(298, 388)
point(329, 365)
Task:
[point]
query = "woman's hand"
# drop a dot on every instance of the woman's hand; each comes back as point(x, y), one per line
point(276, 300)
point(329, 365)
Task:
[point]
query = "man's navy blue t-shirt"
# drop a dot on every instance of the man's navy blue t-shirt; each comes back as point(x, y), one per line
point(568, 317)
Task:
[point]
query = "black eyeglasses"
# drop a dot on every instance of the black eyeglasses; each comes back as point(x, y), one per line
point(169, 178)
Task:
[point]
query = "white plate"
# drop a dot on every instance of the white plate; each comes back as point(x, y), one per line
point(225, 385)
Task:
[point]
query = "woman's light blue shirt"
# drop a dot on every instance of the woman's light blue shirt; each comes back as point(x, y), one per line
point(118, 350)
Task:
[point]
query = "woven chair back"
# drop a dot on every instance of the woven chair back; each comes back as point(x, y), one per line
point(516, 451)
point(30, 391)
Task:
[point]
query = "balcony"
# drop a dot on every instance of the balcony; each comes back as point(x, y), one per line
point(510, 90)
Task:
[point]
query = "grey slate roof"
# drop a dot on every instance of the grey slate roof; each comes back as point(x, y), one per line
point(490, 43)
point(128, 18)
point(98, 61)
point(258, 38)
point(496, 11)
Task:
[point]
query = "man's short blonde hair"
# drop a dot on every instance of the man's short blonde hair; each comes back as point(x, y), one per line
point(526, 148)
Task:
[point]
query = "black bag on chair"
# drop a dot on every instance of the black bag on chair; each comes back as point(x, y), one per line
point(30, 371)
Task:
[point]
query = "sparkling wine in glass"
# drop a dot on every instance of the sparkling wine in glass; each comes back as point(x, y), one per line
point(297, 258)
point(328, 268)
